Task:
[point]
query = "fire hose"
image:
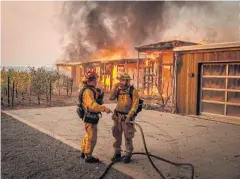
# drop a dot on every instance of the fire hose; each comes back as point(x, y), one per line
point(149, 157)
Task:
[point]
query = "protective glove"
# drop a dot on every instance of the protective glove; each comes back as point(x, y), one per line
point(128, 119)
point(107, 110)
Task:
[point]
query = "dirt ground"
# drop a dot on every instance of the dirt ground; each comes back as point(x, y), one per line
point(29, 153)
point(209, 145)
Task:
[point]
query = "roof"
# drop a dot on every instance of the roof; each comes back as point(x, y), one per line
point(67, 63)
point(164, 45)
point(208, 46)
point(93, 61)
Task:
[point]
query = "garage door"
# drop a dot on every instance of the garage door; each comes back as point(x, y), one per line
point(220, 89)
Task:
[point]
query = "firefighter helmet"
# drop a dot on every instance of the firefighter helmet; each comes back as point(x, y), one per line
point(90, 76)
point(124, 76)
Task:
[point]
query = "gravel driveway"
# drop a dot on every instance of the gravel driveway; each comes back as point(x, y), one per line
point(28, 153)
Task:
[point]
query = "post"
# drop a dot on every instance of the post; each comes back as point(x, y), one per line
point(13, 95)
point(16, 93)
point(175, 81)
point(160, 82)
point(125, 66)
point(111, 76)
point(50, 93)
point(158, 74)
point(71, 87)
point(152, 76)
point(67, 85)
point(144, 78)
point(148, 88)
point(100, 72)
point(8, 90)
point(104, 81)
point(138, 71)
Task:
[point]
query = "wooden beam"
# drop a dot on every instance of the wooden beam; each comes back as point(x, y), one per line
point(111, 75)
point(104, 81)
point(125, 66)
point(138, 71)
point(208, 50)
point(100, 72)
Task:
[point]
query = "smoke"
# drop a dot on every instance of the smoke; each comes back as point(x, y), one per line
point(205, 21)
point(89, 27)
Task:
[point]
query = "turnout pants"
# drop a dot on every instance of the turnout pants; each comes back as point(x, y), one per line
point(118, 129)
point(89, 141)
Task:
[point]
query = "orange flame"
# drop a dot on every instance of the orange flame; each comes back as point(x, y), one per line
point(113, 53)
point(202, 42)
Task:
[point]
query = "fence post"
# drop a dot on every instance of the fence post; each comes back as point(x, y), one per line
point(71, 87)
point(67, 85)
point(13, 95)
point(8, 90)
point(50, 94)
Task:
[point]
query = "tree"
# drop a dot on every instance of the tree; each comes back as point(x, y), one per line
point(4, 80)
point(49, 78)
point(24, 83)
point(38, 81)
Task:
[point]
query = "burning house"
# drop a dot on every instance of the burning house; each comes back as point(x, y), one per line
point(107, 70)
point(152, 71)
point(200, 79)
point(157, 67)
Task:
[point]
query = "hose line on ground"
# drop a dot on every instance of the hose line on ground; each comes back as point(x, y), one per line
point(149, 157)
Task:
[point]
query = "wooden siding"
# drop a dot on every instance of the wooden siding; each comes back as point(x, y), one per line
point(188, 75)
point(78, 75)
point(73, 74)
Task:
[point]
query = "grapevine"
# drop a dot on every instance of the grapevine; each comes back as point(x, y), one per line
point(33, 82)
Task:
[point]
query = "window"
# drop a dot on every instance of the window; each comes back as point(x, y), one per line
point(220, 89)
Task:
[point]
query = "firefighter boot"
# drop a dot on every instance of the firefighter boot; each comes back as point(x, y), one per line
point(116, 156)
point(127, 159)
point(91, 159)
point(82, 155)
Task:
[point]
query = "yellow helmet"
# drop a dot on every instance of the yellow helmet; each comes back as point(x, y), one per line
point(124, 76)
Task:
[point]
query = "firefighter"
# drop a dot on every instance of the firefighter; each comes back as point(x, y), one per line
point(91, 108)
point(127, 105)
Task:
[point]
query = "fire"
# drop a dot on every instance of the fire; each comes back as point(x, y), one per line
point(109, 54)
point(114, 74)
point(108, 81)
point(113, 53)
point(146, 63)
point(153, 91)
point(203, 42)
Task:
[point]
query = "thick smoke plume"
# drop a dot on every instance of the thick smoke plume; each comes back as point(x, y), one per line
point(90, 27)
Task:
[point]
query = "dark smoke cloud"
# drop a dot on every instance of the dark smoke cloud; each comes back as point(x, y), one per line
point(93, 26)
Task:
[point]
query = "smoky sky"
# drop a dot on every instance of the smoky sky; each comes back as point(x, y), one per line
point(93, 26)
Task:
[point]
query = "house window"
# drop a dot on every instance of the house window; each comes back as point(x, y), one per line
point(220, 89)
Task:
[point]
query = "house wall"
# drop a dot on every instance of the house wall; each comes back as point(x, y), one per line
point(188, 75)
point(73, 73)
point(78, 75)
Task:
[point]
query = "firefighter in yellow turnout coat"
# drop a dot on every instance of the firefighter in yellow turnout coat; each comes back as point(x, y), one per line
point(127, 105)
point(89, 103)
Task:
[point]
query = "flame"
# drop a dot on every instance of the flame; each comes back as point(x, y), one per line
point(153, 56)
point(108, 81)
point(113, 53)
point(67, 68)
point(202, 42)
point(110, 54)
point(146, 63)
point(114, 73)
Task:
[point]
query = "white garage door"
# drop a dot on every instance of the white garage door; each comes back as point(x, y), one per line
point(220, 89)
